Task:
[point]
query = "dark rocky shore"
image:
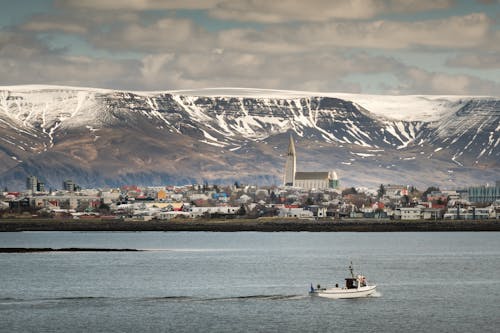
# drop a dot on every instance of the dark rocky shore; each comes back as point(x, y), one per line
point(368, 225)
point(49, 249)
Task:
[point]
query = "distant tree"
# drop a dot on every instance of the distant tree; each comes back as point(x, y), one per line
point(104, 208)
point(273, 197)
point(381, 191)
point(242, 211)
point(348, 191)
point(428, 191)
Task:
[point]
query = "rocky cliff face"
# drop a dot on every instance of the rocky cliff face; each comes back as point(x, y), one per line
point(109, 138)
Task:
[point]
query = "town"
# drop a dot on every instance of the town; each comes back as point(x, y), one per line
point(134, 203)
point(303, 195)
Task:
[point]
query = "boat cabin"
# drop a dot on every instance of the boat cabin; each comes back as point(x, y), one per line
point(353, 283)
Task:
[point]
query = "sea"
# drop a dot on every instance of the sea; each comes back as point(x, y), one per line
point(250, 282)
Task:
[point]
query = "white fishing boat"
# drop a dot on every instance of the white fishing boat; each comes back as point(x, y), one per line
point(356, 286)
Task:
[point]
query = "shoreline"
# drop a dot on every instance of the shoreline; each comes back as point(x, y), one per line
point(68, 249)
point(236, 225)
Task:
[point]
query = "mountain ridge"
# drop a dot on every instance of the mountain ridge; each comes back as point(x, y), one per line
point(106, 137)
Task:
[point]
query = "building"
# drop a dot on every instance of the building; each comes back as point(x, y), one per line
point(31, 183)
point(69, 185)
point(483, 194)
point(290, 164)
point(34, 185)
point(411, 213)
point(298, 212)
point(307, 180)
point(316, 180)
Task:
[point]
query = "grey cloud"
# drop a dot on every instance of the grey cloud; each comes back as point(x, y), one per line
point(415, 80)
point(25, 59)
point(455, 32)
point(478, 61)
point(51, 25)
point(318, 72)
point(174, 34)
point(163, 35)
point(136, 5)
point(488, 2)
point(265, 11)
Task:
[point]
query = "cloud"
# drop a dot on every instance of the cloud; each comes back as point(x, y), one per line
point(66, 70)
point(415, 80)
point(51, 25)
point(317, 72)
point(488, 2)
point(478, 61)
point(265, 11)
point(136, 5)
point(475, 30)
point(25, 59)
point(163, 35)
point(131, 48)
point(178, 34)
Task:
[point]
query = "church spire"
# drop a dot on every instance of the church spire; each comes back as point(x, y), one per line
point(290, 164)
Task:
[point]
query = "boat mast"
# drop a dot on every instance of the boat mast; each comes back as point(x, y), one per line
point(351, 270)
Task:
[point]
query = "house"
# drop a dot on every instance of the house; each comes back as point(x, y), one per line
point(410, 213)
point(289, 211)
point(395, 191)
point(432, 213)
point(219, 210)
point(171, 214)
point(317, 210)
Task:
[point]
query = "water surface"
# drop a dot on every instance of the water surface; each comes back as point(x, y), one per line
point(249, 282)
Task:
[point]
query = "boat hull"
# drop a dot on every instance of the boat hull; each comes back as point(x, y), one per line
point(338, 293)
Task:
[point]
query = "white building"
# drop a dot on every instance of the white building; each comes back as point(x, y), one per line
point(307, 180)
point(316, 180)
point(295, 212)
point(411, 213)
point(223, 210)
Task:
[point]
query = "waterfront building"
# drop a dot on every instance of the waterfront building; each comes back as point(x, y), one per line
point(483, 194)
point(411, 213)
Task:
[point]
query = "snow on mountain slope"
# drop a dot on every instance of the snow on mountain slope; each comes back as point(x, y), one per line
point(404, 107)
point(128, 131)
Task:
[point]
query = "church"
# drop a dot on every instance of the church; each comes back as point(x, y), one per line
point(307, 180)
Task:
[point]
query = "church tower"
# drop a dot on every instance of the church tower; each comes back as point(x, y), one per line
point(290, 164)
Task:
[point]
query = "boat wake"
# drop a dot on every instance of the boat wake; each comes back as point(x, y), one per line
point(20, 301)
point(376, 294)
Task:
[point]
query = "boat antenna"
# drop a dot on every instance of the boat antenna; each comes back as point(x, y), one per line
point(351, 270)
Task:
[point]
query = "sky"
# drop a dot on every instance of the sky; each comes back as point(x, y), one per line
point(396, 47)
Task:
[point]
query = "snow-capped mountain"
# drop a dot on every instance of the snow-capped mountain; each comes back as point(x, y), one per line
point(104, 137)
